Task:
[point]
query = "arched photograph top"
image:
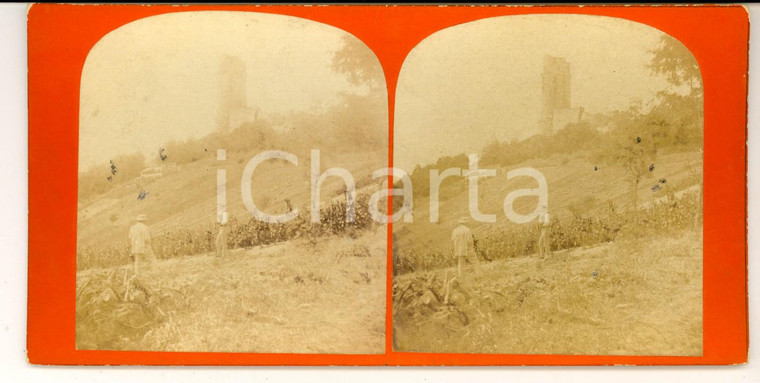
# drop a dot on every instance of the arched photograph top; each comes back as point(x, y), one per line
point(557, 171)
point(225, 173)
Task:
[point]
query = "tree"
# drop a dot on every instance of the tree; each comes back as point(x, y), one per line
point(358, 63)
point(674, 61)
point(358, 121)
point(635, 149)
point(677, 116)
point(685, 112)
point(638, 160)
point(676, 120)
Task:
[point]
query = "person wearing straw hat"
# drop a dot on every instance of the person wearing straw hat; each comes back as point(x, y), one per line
point(139, 241)
point(544, 240)
point(464, 244)
point(222, 220)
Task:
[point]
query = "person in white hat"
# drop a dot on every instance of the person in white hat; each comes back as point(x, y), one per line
point(464, 244)
point(139, 241)
point(221, 238)
point(545, 239)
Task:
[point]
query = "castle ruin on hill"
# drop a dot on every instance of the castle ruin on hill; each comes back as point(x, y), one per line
point(556, 109)
point(233, 101)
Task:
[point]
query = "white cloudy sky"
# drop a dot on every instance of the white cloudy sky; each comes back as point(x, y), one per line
point(157, 78)
point(479, 81)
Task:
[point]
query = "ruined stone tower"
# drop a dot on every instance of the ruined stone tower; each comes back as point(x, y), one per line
point(555, 91)
point(232, 97)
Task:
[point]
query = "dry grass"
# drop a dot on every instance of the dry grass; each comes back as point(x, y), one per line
point(632, 297)
point(575, 190)
point(286, 298)
point(186, 200)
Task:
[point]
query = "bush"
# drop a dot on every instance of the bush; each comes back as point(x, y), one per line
point(202, 239)
point(664, 218)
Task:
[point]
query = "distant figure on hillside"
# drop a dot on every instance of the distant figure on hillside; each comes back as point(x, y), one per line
point(545, 240)
point(139, 242)
point(221, 238)
point(464, 245)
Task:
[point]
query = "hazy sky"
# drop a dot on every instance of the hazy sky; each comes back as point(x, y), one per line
point(157, 78)
point(469, 84)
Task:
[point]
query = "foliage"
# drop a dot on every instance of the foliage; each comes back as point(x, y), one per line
point(678, 112)
point(113, 309)
point(357, 62)
point(603, 226)
point(201, 239)
point(574, 137)
point(634, 149)
point(421, 175)
point(572, 302)
point(674, 61)
point(676, 120)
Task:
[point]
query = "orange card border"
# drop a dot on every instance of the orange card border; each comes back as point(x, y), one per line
point(61, 36)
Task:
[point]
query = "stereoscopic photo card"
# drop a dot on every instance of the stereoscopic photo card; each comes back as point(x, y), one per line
point(387, 185)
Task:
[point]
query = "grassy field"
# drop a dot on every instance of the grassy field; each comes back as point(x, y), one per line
point(622, 280)
point(631, 297)
point(575, 187)
point(285, 298)
point(186, 199)
point(285, 295)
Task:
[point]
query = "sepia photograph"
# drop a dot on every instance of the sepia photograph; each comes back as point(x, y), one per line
point(557, 171)
point(382, 186)
point(227, 187)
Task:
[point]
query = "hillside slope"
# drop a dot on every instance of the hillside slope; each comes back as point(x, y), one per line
point(574, 186)
point(632, 297)
point(187, 198)
point(289, 297)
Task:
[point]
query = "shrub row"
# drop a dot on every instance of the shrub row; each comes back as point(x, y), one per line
point(512, 241)
point(242, 234)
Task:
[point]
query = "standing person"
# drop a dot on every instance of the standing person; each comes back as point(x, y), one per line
point(139, 241)
point(221, 238)
point(464, 245)
point(545, 240)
